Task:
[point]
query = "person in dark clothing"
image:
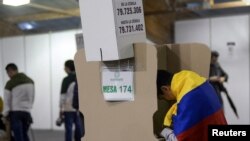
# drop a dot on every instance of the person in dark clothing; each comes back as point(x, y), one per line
point(217, 76)
point(66, 107)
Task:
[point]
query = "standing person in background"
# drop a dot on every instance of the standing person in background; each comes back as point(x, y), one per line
point(66, 108)
point(217, 76)
point(18, 101)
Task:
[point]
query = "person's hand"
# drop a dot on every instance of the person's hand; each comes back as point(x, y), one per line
point(214, 79)
point(222, 79)
point(5, 119)
point(168, 134)
point(61, 110)
point(61, 113)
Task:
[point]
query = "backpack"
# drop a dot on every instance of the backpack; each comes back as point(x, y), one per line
point(75, 102)
point(75, 105)
point(81, 118)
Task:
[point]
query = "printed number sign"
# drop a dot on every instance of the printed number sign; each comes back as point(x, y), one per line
point(118, 85)
point(129, 17)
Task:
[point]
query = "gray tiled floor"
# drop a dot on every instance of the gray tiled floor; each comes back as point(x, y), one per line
point(46, 135)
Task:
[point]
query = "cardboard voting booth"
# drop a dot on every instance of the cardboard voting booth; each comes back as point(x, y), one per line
point(176, 57)
point(139, 119)
point(190, 56)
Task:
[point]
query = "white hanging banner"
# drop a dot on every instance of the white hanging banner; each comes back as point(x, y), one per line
point(118, 85)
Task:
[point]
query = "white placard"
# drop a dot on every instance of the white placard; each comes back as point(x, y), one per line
point(118, 85)
point(111, 27)
point(129, 17)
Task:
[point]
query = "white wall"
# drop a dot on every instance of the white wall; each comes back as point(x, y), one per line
point(193, 31)
point(37, 51)
point(13, 52)
point(217, 32)
point(42, 58)
point(235, 62)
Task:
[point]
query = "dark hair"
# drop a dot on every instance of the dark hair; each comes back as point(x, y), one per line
point(70, 64)
point(163, 78)
point(215, 54)
point(11, 66)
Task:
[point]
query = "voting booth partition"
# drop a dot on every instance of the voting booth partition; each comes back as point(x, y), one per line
point(176, 57)
point(139, 118)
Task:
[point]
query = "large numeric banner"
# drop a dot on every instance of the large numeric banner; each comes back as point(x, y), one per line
point(129, 17)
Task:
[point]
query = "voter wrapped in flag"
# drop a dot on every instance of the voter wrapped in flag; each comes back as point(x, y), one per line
point(196, 107)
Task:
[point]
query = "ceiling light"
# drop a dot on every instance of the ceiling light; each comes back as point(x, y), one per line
point(27, 25)
point(15, 2)
point(247, 2)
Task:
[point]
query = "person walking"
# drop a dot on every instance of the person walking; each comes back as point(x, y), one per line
point(69, 113)
point(18, 101)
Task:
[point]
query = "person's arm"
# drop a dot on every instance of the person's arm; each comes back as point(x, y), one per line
point(212, 75)
point(214, 79)
point(62, 101)
point(224, 75)
point(31, 95)
point(7, 94)
point(69, 97)
point(168, 134)
point(63, 94)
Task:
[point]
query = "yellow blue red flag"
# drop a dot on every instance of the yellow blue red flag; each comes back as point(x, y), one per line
point(197, 107)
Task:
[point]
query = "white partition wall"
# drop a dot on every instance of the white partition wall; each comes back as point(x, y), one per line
point(193, 31)
point(13, 51)
point(235, 61)
point(230, 37)
point(63, 48)
point(37, 51)
point(41, 57)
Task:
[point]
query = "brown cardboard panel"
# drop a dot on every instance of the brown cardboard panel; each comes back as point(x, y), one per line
point(119, 121)
point(162, 56)
point(193, 56)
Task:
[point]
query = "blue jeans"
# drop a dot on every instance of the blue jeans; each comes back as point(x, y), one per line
point(20, 122)
point(71, 118)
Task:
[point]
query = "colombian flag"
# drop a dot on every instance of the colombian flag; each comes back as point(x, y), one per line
point(197, 107)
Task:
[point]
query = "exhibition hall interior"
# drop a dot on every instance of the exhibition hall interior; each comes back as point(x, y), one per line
point(40, 36)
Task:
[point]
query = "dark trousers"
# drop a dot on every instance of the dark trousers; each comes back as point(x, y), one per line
point(70, 119)
point(20, 123)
